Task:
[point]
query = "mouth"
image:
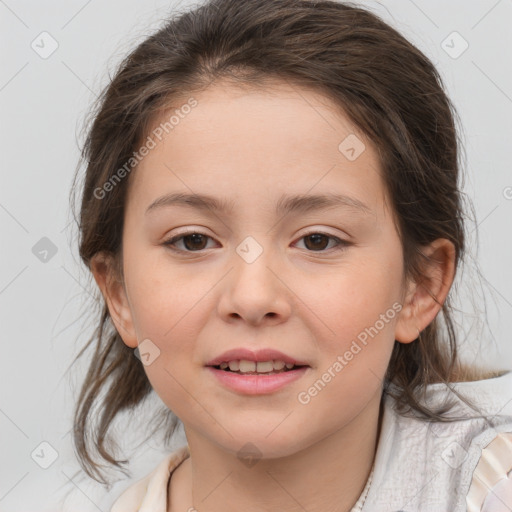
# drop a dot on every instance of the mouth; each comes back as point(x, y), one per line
point(246, 371)
point(246, 367)
point(261, 378)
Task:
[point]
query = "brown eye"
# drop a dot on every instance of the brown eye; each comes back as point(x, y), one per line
point(192, 242)
point(196, 241)
point(319, 242)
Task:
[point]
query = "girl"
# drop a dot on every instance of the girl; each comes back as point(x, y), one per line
point(271, 210)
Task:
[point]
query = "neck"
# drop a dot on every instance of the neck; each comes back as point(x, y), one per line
point(327, 476)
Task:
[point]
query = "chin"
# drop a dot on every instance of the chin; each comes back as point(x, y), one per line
point(259, 444)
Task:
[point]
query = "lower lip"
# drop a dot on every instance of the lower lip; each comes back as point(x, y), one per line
point(257, 384)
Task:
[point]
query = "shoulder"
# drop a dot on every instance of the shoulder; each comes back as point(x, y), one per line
point(491, 486)
point(150, 492)
point(422, 465)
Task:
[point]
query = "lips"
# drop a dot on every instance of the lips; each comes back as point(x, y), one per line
point(261, 384)
point(266, 354)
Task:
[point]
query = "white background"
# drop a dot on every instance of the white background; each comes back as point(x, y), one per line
point(44, 306)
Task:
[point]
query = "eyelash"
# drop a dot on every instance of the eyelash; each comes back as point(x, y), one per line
point(340, 244)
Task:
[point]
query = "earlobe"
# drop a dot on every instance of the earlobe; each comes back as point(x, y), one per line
point(114, 294)
point(407, 327)
point(424, 299)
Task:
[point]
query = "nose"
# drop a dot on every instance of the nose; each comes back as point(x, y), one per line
point(255, 291)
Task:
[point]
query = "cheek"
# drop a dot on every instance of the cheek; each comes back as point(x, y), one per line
point(163, 298)
point(353, 297)
point(358, 307)
point(169, 307)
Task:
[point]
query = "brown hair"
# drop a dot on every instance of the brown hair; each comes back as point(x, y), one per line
point(386, 86)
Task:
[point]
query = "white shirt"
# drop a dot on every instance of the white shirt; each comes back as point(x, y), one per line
point(418, 467)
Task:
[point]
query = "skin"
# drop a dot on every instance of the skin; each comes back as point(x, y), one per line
point(251, 146)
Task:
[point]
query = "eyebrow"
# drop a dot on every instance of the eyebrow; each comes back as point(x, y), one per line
point(286, 204)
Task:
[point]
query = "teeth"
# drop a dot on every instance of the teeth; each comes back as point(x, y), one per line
point(244, 366)
point(278, 365)
point(234, 366)
point(264, 366)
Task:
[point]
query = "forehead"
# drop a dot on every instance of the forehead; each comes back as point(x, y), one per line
point(264, 140)
point(240, 111)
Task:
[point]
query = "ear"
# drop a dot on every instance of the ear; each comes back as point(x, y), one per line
point(112, 288)
point(423, 300)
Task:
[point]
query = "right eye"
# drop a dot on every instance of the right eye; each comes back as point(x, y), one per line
point(193, 241)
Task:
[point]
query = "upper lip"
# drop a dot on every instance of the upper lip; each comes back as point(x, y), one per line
point(264, 354)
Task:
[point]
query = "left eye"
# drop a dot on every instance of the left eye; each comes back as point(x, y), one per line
point(317, 241)
point(194, 242)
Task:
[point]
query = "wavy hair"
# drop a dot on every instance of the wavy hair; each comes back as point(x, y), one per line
point(383, 83)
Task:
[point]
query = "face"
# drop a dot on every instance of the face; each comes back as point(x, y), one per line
point(319, 282)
